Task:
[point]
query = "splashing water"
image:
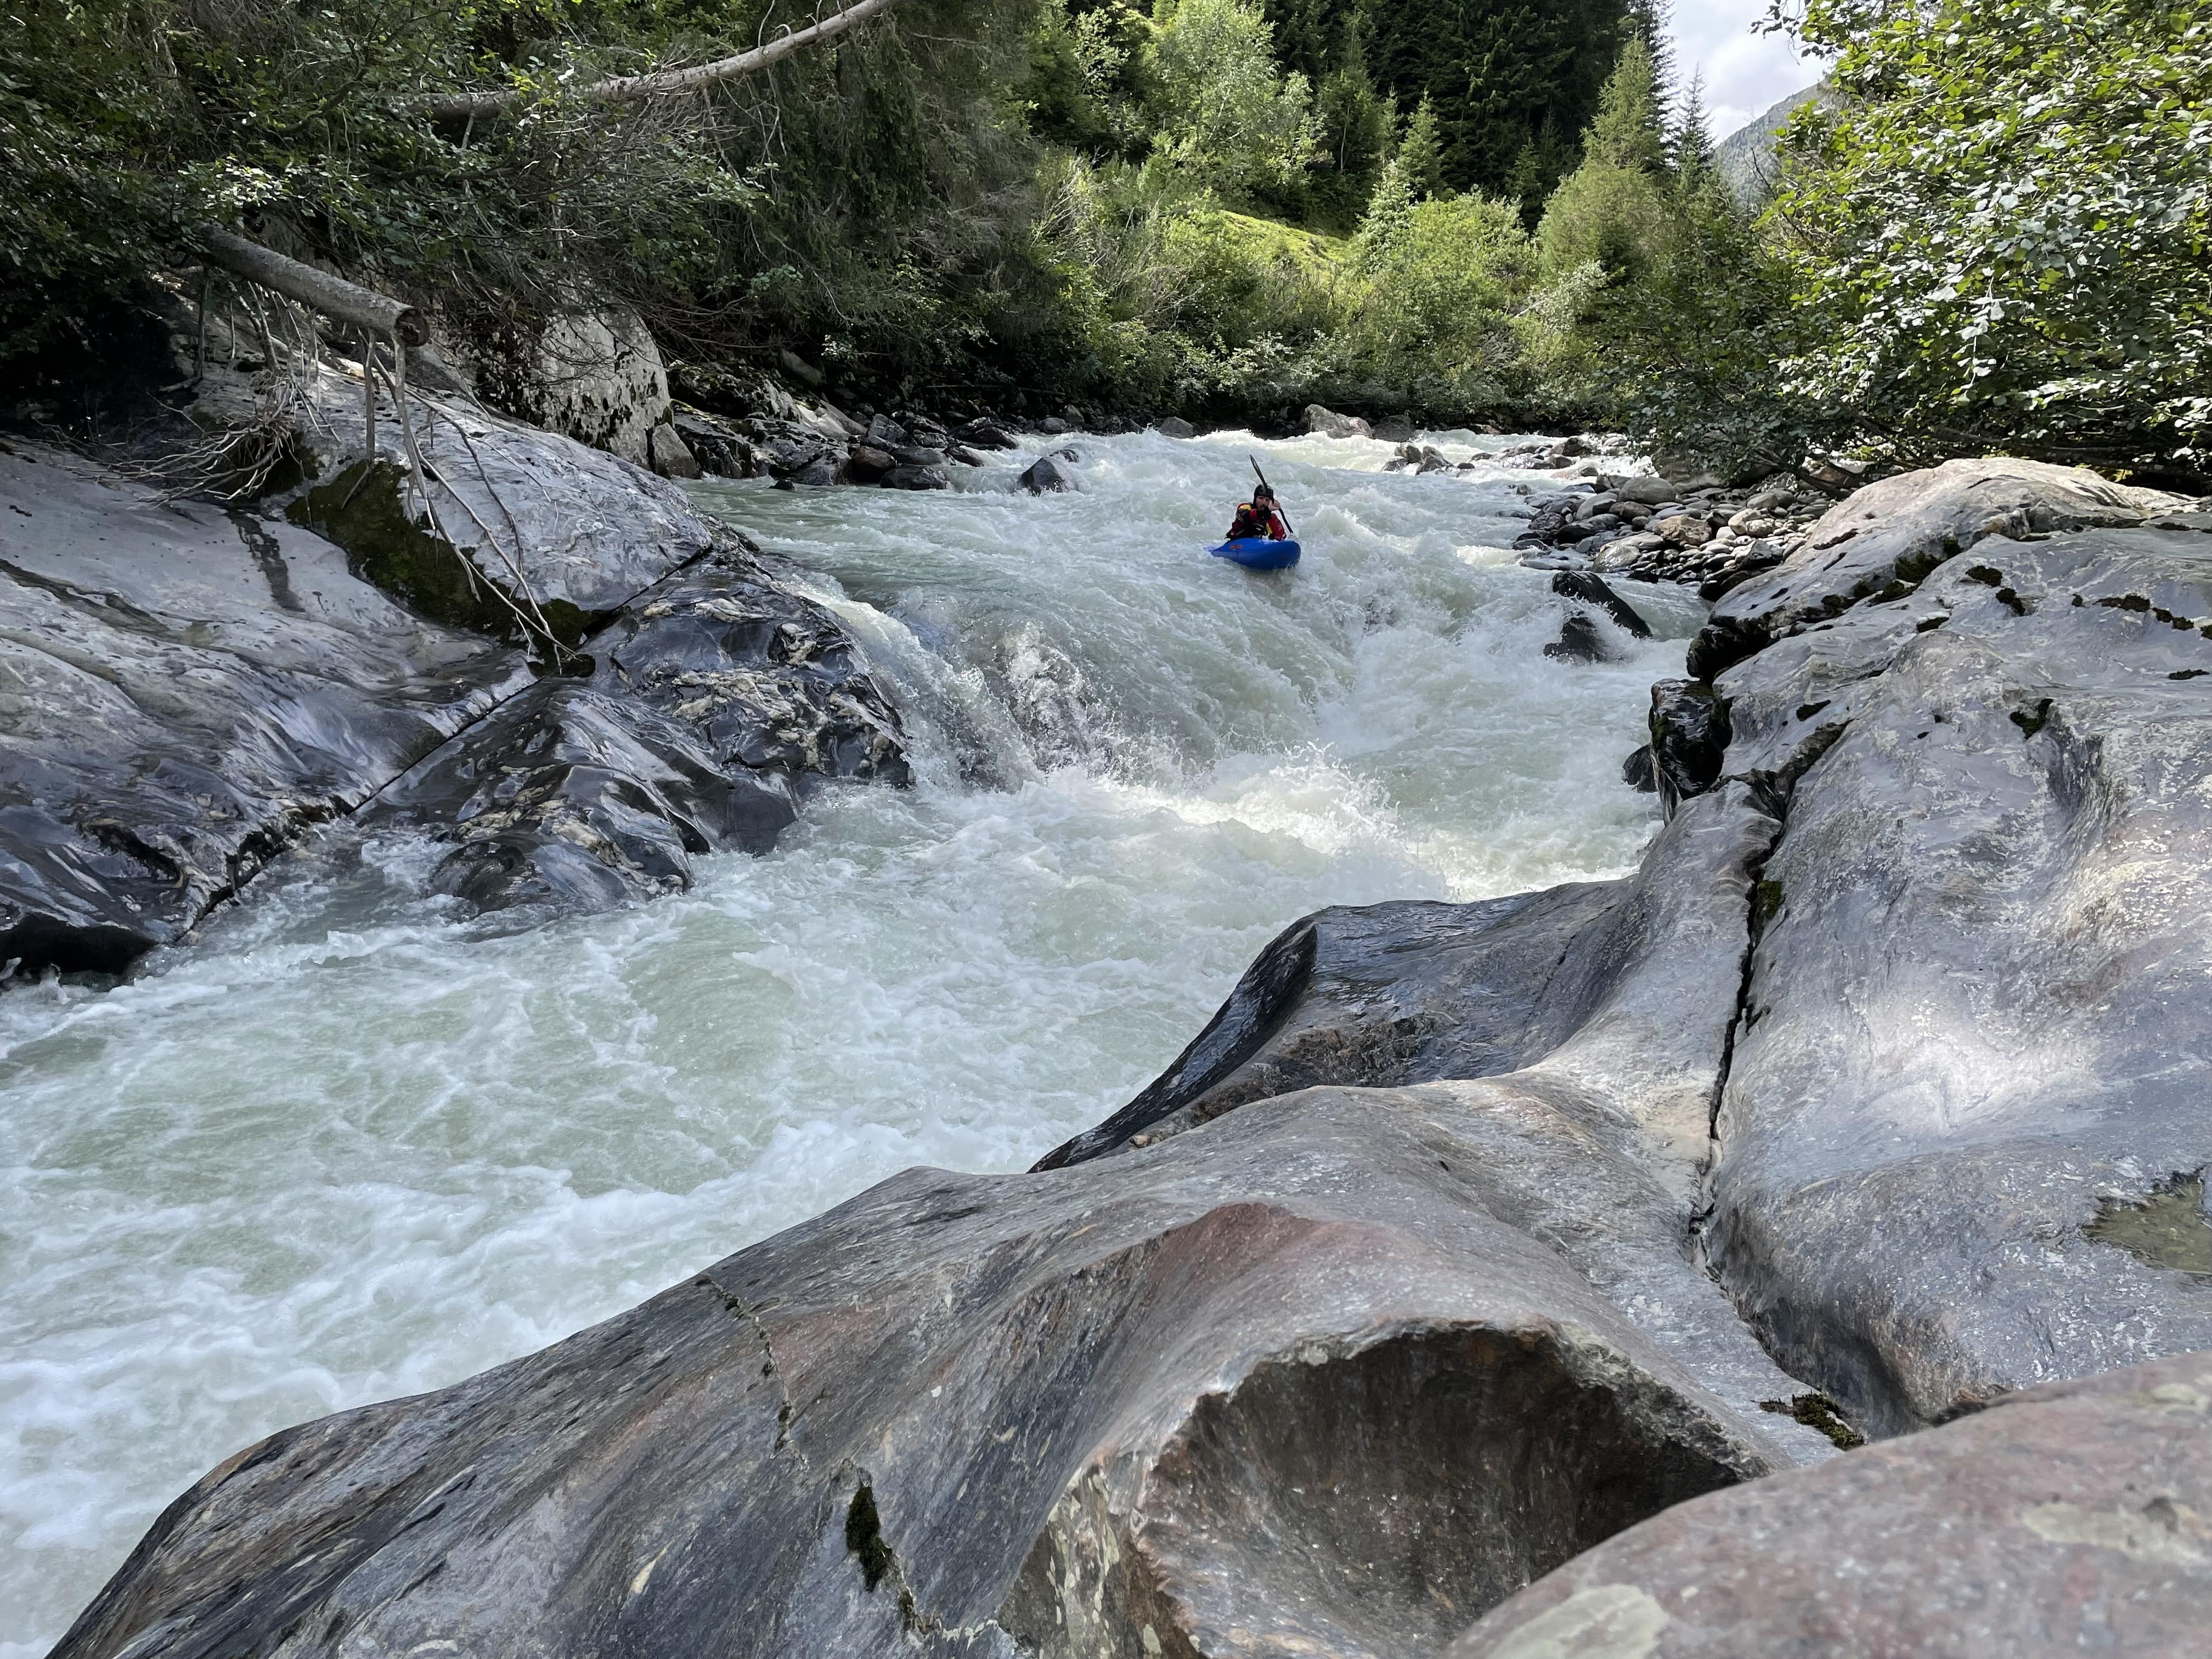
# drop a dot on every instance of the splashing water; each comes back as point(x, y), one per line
point(358, 1145)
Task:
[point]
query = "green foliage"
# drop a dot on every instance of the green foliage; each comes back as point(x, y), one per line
point(1229, 120)
point(2004, 237)
point(1443, 281)
point(1510, 80)
point(1612, 211)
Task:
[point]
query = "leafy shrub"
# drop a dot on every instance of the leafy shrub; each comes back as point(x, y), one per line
point(2004, 235)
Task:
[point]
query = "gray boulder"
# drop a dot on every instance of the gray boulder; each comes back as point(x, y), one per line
point(1331, 1373)
point(1885, 538)
point(1329, 424)
point(1044, 476)
point(1174, 426)
point(720, 699)
point(2074, 1518)
point(1295, 1387)
point(1583, 588)
point(1966, 1095)
point(186, 692)
point(583, 530)
point(1394, 429)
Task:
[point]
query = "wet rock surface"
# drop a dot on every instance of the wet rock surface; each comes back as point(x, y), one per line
point(1974, 1018)
point(2072, 1518)
point(1465, 1237)
point(719, 700)
point(185, 691)
point(1288, 1387)
point(196, 686)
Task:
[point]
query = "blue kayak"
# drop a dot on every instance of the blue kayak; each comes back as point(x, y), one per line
point(1255, 553)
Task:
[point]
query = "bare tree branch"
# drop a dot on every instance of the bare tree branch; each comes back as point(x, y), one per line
point(629, 89)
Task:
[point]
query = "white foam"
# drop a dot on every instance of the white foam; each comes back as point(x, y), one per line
point(357, 1144)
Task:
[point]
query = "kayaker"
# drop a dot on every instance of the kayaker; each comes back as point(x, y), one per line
point(1258, 517)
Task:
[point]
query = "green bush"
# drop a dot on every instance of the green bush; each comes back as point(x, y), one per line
point(2002, 237)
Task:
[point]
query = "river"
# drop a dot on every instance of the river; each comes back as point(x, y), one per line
point(357, 1145)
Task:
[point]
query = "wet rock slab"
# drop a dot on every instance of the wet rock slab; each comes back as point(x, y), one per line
point(1973, 1026)
point(1288, 1386)
point(183, 692)
point(2073, 1518)
point(716, 703)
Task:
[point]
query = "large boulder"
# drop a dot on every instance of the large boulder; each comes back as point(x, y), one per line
point(1329, 1374)
point(597, 377)
point(1327, 423)
point(500, 506)
point(1882, 540)
point(2073, 1518)
point(1290, 1386)
point(718, 701)
point(185, 690)
point(1970, 1074)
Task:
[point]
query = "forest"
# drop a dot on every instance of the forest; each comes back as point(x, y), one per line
point(1992, 233)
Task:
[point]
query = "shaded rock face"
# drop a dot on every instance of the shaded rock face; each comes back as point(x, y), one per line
point(1974, 1021)
point(981, 1415)
point(597, 378)
point(183, 692)
point(718, 700)
point(2072, 1518)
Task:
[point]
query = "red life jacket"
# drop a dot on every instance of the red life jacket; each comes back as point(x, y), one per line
point(1264, 522)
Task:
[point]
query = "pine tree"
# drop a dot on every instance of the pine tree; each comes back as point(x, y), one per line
point(1653, 20)
point(1628, 130)
point(1421, 154)
point(1690, 144)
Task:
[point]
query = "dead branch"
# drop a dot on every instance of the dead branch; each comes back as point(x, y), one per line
point(629, 89)
point(334, 297)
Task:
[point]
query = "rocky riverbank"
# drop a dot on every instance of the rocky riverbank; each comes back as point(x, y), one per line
point(1469, 1238)
point(534, 649)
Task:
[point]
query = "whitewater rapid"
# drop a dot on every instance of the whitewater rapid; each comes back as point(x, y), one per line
point(356, 1144)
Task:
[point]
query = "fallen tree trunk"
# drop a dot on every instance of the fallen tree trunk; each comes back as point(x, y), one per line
point(629, 88)
point(335, 297)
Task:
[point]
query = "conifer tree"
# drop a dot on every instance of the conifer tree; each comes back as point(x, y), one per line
point(1690, 145)
point(1421, 154)
point(1628, 129)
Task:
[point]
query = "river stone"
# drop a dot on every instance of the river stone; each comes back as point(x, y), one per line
point(1580, 641)
point(585, 529)
point(1962, 1126)
point(1044, 476)
point(184, 691)
point(1887, 536)
point(717, 703)
point(2073, 1518)
point(1589, 590)
point(1689, 730)
point(1288, 1385)
point(867, 463)
point(1327, 423)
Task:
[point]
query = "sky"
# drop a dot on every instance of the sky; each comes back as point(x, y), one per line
point(1746, 73)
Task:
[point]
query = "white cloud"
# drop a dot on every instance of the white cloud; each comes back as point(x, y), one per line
point(1746, 73)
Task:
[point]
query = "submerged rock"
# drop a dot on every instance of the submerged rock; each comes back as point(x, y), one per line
point(2072, 1518)
point(1044, 476)
point(187, 691)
